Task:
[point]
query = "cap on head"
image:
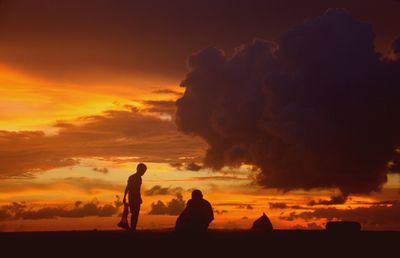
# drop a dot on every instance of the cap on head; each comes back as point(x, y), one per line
point(141, 168)
point(197, 194)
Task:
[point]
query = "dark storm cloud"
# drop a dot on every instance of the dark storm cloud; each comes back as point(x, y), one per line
point(318, 109)
point(70, 40)
point(173, 207)
point(379, 216)
point(17, 211)
point(112, 134)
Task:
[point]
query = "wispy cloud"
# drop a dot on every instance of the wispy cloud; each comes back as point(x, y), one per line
point(114, 133)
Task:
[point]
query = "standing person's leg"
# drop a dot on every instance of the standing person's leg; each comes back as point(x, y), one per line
point(135, 208)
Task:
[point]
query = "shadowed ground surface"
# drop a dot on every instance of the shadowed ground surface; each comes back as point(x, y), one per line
point(214, 244)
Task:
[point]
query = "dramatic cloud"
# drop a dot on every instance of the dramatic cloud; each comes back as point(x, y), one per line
point(17, 211)
point(173, 207)
point(159, 190)
point(318, 109)
point(377, 216)
point(114, 133)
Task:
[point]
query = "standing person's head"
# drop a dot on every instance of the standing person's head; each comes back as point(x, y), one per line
point(141, 169)
point(197, 195)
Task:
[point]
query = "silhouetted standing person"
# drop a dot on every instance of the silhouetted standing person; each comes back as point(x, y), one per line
point(134, 196)
point(197, 215)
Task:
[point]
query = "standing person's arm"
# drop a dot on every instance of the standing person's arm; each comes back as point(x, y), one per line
point(126, 192)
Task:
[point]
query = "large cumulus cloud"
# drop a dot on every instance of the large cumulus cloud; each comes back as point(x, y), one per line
point(318, 109)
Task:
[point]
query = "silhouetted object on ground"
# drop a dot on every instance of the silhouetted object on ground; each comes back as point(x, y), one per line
point(124, 219)
point(197, 215)
point(343, 226)
point(262, 224)
point(133, 191)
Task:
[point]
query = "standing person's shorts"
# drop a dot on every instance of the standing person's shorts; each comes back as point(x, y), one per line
point(134, 203)
point(134, 207)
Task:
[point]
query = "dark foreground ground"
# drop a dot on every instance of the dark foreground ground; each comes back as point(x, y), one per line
point(244, 244)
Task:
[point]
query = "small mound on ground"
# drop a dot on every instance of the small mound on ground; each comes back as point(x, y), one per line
point(262, 224)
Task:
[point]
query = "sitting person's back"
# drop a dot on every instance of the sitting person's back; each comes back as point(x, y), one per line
point(197, 215)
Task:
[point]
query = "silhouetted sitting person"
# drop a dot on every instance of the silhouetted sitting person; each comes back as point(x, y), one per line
point(262, 224)
point(197, 215)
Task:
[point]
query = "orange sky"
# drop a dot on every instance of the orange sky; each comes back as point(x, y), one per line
point(26, 107)
point(76, 118)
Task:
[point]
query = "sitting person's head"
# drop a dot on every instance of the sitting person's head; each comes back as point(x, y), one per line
point(197, 195)
point(141, 169)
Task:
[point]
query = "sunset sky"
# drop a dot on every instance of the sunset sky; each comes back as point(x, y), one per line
point(88, 89)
